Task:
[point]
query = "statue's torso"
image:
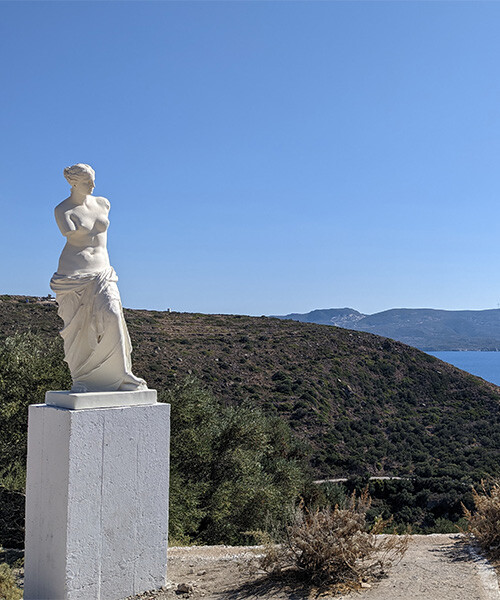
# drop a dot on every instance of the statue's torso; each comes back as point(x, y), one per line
point(85, 250)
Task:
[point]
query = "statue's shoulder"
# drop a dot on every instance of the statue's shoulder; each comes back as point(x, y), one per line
point(62, 207)
point(104, 202)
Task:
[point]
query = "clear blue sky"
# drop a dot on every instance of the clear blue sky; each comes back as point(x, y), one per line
point(260, 157)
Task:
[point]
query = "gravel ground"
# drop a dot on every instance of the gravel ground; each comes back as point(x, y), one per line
point(438, 567)
point(435, 567)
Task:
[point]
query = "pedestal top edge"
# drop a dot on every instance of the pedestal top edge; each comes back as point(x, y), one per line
point(81, 400)
point(128, 394)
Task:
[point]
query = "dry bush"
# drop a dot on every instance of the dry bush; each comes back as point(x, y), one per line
point(8, 586)
point(484, 523)
point(335, 547)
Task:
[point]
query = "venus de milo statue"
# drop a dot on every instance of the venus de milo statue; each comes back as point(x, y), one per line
point(98, 456)
point(96, 341)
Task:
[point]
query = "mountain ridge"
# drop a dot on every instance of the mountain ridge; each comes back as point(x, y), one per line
point(427, 329)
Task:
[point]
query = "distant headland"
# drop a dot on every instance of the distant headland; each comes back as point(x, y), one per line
point(424, 328)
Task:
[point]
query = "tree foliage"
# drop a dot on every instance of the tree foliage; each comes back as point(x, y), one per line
point(29, 366)
point(233, 468)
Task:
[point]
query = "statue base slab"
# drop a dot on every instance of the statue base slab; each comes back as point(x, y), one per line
point(80, 400)
point(96, 501)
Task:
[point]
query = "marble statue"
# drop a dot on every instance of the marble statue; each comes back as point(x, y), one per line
point(96, 341)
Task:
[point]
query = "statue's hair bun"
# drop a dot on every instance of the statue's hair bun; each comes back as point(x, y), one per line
point(78, 172)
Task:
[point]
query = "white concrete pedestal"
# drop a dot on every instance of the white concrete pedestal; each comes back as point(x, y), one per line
point(96, 501)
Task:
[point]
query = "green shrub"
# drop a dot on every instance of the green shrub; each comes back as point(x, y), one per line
point(29, 366)
point(233, 468)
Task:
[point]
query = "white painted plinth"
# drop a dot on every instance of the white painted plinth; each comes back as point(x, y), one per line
point(96, 502)
point(79, 400)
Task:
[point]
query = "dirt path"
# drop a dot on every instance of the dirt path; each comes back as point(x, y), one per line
point(436, 567)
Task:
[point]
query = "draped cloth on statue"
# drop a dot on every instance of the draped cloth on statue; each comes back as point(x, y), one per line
point(96, 341)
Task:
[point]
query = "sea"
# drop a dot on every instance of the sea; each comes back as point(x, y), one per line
point(482, 364)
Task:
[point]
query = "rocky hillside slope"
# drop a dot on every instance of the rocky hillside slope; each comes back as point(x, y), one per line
point(364, 403)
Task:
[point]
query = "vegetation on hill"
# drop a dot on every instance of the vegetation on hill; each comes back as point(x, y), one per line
point(367, 405)
point(363, 405)
point(232, 467)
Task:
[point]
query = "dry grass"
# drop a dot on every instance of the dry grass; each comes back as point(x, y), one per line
point(8, 586)
point(334, 547)
point(484, 522)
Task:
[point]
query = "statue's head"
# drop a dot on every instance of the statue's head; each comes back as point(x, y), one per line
point(80, 175)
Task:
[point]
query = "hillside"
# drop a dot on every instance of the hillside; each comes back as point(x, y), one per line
point(424, 328)
point(365, 404)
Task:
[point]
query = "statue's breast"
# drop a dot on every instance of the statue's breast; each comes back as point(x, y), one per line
point(101, 225)
point(89, 221)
